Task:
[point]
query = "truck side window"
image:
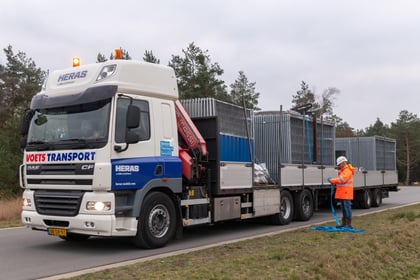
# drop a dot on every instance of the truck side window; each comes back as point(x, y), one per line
point(144, 128)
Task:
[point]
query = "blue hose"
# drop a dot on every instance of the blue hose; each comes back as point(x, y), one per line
point(336, 229)
point(308, 135)
point(332, 206)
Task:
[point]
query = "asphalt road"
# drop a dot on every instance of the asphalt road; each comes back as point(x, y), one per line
point(27, 254)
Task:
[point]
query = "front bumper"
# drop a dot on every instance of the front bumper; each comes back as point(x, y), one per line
point(97, 225)
point(88, 222)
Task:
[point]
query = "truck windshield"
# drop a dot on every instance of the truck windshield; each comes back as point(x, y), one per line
point(73, 127)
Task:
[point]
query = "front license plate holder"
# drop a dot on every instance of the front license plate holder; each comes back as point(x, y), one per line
point(57, 232)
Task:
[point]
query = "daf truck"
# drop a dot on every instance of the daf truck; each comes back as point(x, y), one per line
point(110, 150)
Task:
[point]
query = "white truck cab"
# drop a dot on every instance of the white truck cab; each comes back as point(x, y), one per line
point(97, 138)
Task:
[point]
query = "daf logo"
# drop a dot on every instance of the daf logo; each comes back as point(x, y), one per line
point(33, 167)
point(87, 166)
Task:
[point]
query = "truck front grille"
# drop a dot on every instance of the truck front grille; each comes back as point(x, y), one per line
point(58, 203)
point(67, 182)
point(73, 174)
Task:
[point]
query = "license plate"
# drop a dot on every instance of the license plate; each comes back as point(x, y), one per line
point(57, 231)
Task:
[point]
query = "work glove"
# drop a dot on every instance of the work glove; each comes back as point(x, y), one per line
point(329, 179)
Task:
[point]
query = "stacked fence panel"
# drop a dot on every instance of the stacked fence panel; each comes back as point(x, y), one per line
point(231, 118)
point(228, 132)
point(369, 153)
point(282, 137)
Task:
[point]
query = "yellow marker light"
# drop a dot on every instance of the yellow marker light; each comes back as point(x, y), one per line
point(76, 61)
point(118, 54)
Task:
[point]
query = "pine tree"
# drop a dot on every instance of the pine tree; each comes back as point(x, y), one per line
point(303, 96)
point(197, 76)
point(100, 58)
point(406, 131)
point(243, 92)
point(149, 57)
point(20, 79)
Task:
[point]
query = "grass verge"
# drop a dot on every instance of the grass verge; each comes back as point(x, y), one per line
point(389, 249)
point(10, 212)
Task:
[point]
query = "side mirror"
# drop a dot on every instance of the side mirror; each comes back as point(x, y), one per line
point(133, 116)
point(25, 122)
point(132, 121)
point(24, 127)
point(23, 141)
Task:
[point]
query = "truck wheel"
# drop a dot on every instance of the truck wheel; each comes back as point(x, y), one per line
point(304, 205)
point(376, 197)
point(366, 201)
point(156, 224)
point(286, 210)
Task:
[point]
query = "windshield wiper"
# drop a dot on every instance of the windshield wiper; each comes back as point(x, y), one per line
point(37, 142)
point(75, 143)
point(40, 145)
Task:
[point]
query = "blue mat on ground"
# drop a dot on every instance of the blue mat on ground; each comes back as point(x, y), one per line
point(336, 229)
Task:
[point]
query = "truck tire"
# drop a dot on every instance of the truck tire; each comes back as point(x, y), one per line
point(304, 205)
point(286, 210)
point(156, 223)
point(366, 199)
point(376, 197)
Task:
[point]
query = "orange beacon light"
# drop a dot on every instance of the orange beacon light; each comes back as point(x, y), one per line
point(118, 54)
point(76, 61)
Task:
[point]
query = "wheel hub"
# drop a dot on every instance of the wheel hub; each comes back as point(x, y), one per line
point(159, 221)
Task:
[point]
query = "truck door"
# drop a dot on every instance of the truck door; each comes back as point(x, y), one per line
point(134, 167)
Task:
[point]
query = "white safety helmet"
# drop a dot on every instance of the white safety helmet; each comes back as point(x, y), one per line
point(341, 160)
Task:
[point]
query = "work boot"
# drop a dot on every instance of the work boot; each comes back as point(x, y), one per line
point(348, 223)
point(343, 223)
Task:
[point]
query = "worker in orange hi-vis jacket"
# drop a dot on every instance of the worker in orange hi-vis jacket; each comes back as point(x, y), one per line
point(344, 189)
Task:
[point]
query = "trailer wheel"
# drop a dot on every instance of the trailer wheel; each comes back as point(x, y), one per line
point(157, 222)
point(286, 210)
point(376, 197)
point(304, 204)
point(366, 201)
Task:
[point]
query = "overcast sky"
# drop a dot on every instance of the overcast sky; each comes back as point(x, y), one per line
point(368, 49)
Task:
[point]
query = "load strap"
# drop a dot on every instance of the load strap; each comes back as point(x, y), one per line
point(336, 229)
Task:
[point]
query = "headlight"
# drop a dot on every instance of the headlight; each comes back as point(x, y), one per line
point(27, 202)
point(98, 205)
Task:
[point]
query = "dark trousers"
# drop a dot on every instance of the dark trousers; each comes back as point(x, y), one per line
point(346, 208)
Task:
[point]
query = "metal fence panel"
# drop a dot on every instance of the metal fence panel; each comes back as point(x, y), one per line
point(282, 137)
point(370, 153)
point(231, 118)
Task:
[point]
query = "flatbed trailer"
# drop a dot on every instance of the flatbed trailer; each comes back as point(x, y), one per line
point(285, 142)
